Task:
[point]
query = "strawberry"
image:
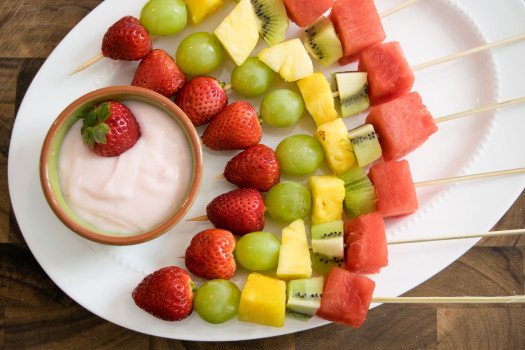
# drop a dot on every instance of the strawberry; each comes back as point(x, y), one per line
point(202, 98)
point(236, 127)
point(166, 293)
point(239, 211)
point(110, 129)
point(210, 254)
point(159, 72)
point(256, 167)
point(126, 40)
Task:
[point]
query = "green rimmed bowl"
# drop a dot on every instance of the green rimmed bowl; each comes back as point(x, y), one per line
point(51, 149)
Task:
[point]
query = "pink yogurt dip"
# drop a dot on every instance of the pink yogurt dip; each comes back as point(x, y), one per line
point(136, 190)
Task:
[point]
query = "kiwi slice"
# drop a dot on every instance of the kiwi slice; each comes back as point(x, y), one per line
point(353, 92)
point(327, 238)
point(304, 297)
point(360, 195)
point(322, 264)
point(366, 145)
point(322, 41)
point(272, 20)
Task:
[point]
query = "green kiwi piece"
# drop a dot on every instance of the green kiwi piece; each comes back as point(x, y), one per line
point(327, 238)
point(272, 20)
point(304, 297)
point(359, 202)
point(322, 41)
point(365, 144)
point(355, 178)
point(323, 264)
point(353, 92)
point(360, 195)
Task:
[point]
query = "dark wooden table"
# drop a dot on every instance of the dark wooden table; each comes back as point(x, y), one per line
point(36, 314)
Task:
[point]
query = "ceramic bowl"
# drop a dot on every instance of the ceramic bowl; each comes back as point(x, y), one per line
point(51, 148)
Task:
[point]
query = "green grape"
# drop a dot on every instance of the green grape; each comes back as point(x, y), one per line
point(258, 251)
point(199, 54)
point(288, 201)
point(217, 301)
point(299, 155)
point(252, 78)
point(282, 108)
point(164, 17)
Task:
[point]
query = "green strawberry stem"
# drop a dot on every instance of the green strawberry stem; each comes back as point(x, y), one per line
point(94, 128)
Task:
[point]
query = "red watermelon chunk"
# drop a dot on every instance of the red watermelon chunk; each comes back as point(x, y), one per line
point(358, 25)
point(305, 12)
point(346, 297)
point(395, 190)
point(365, 240)
point(402, 125)
point(389, 75)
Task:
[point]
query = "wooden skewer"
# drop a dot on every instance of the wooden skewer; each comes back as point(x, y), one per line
point(469, 52)
point(464, 236)
point(397, 8)
point(88, 63)
point(479, 110)
point(455, 300)
point(199, 218)
point(469, 177)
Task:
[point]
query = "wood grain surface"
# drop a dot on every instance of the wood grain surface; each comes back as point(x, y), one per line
point(36, 314)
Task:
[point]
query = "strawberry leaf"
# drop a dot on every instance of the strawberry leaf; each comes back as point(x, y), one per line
point(94, 128)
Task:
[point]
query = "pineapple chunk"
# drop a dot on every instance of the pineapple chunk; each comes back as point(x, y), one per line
point(318, 98)
point(263, 300)
point(289, 59)
point(294, 256)
point(200, 9)
point(338, 150)
point(238, 32)
point(328, 193)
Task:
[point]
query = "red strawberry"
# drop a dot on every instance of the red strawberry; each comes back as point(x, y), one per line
point(256, 167)
point(236, 127)
point(202, 98)
point(166, 293)
point(126, 40)
point(239, 211)
point(159, 72)
point(110, 129)
point(210, 254)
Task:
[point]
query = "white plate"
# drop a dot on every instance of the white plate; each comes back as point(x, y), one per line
point(101, 278)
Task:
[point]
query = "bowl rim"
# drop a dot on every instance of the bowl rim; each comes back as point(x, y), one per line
point(117, 93)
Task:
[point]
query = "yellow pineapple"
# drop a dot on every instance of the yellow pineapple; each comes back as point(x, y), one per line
point(338, 149)
point(263, 300)
point(294, 257)
point(238, 32)
point(289, 59)
point(328, 193)
point(200, 9)
point(318, 98)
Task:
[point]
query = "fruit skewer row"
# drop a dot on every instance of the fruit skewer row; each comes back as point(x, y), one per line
point(394, 191)
point(356, 90)
point(391, 130)
point(116, 48)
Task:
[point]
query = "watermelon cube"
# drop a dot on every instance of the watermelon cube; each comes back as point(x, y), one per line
point(365, 240)
point(346, 297)
point(395, 190)
point(389, 75)
point(402, 125)
point(305, 12)
point(358, 25)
